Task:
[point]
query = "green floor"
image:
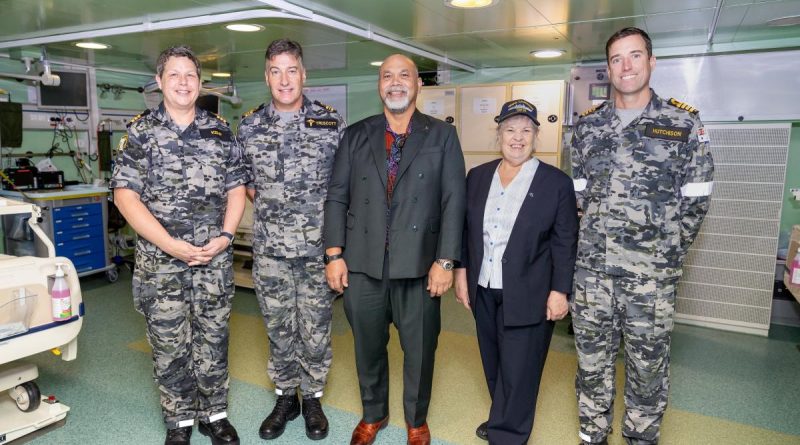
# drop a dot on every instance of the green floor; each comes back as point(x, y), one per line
point(726, 388)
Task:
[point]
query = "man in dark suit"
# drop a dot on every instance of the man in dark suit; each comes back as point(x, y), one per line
point(393, 222)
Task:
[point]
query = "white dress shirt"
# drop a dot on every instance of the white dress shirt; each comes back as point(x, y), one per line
point(502, 208)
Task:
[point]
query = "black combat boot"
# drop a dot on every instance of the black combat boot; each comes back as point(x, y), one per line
point(316, 422)
point(221, 432)
point(287, 408)
point(178, 436)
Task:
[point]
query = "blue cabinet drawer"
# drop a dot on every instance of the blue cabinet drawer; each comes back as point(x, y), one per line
point(92, 243)
point(90, 232)
point(77, 211)
point(86, 264)
point(77, 223)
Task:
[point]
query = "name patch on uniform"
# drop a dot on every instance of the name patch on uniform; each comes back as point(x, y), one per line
point(330, 124)
point(213, 133)
point(668, 133)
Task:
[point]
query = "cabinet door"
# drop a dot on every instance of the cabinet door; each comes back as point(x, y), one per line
point(439, 102)
point(548, 97)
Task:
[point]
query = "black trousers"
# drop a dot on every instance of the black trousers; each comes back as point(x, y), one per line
point(513, 360)
point(371, 305)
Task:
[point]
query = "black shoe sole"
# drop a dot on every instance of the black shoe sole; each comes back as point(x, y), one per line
point(267, 436)
point(204, 431)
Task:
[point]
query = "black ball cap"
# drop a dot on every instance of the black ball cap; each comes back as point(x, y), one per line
point(515, 107)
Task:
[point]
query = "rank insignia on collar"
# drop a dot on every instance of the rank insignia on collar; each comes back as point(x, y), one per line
point(329, 123)
point(252, 111)
point(219, 118)
point(678, 104)
point(137, 117)
point(592, 110)
point(325, 106)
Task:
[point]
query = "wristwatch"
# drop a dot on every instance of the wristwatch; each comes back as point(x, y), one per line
point(228, 235)
point(446, 264)
point(328, 258)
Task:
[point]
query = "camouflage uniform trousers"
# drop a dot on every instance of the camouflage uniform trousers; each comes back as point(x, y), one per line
point(606, 309)
point(297, 306)
point(187, 317)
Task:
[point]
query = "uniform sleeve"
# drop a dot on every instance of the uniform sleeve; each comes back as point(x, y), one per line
point(247, 163)
point(236, 174)
point(132, 163)
point(696, 185)
point(342, 126)
point(579, 178)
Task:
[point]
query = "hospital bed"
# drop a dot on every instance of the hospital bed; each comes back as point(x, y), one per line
point(27, 328)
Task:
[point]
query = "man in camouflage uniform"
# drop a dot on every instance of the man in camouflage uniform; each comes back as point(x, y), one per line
point(643, 175)
point(289, 147)
point(179, 182)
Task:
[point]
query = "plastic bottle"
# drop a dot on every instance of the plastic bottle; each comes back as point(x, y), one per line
point(62, 299)
point(794, 271)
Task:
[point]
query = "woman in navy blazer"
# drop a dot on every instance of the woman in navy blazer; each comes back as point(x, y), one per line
point(520, 238)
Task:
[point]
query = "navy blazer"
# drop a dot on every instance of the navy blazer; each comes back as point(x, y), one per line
point(427, 204)
point(540, 255)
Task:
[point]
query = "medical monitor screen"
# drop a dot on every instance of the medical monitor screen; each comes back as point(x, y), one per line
point(71, 94)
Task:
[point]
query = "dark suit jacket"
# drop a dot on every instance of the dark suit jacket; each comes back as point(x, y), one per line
point(428, 201)
point(540, 255)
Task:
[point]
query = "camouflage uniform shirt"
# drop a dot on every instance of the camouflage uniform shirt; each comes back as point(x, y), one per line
point(182, 177)
point(644, 188)
point(289, 165)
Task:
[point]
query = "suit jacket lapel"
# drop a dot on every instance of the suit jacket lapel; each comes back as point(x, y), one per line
point(484, 185)
point(529, 204)
point(414, 143)
point(377, 142)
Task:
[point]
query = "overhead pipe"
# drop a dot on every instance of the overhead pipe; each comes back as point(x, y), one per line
point(712, 30)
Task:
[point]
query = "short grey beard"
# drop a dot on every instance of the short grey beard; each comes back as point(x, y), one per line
point(397, 108)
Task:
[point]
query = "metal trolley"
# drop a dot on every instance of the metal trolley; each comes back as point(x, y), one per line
point(27, 328)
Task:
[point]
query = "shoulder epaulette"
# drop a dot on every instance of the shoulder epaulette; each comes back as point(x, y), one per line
point(220, 118)
point(327, 107)
point(253, 111)
point(678, 104)
point(592, 110)
point(137, 117)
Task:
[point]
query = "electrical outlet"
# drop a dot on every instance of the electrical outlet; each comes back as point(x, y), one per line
point(795, 192)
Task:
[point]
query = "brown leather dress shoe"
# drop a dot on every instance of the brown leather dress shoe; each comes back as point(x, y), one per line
point(420, 435)
point(365, 433)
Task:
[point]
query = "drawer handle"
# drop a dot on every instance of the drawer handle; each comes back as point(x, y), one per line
point(82, 253)
point(80, 214)
point(79, 226)
point(84, 269)
point(81, 237)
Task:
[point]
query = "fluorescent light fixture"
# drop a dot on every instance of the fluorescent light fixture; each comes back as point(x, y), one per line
point(548, 53)
point(244, 27)
point(469, 4)
point(220, 74)
point(92, 45)
point(785, 21)
point(376, 63)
